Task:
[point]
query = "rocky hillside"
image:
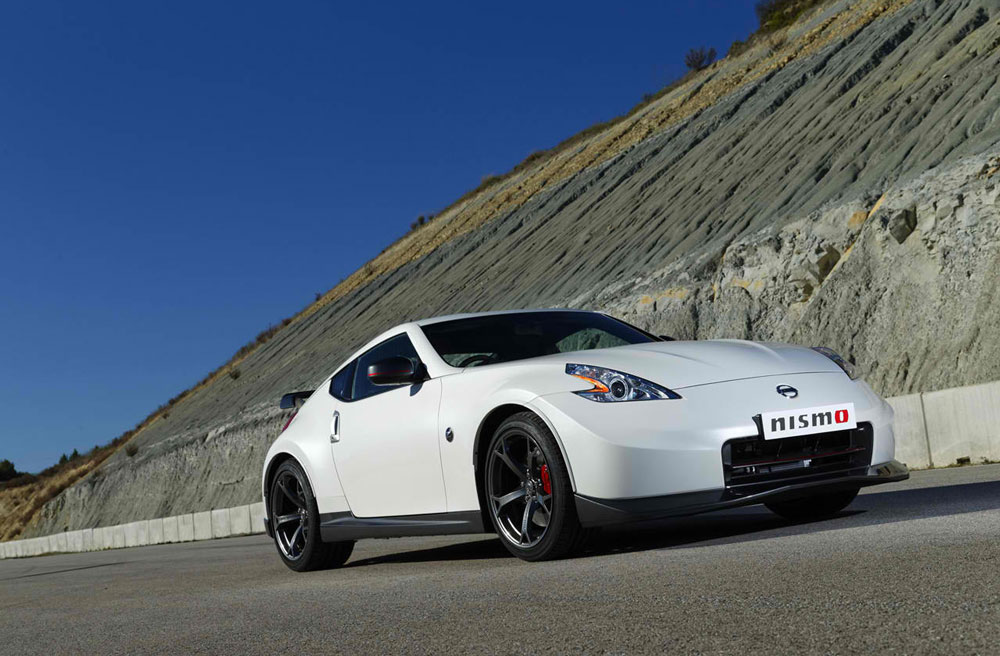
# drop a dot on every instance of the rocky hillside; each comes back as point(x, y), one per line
point(835, 183)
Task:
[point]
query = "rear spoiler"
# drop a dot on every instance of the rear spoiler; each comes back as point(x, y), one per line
point(294, 400)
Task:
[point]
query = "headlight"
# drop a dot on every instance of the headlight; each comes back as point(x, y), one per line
point(849, 369)
point(610, 385)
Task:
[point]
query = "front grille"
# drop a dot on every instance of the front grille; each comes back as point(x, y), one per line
point(753, 464)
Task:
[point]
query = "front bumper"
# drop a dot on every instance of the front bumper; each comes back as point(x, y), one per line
point(604, 512)
point(668, 447)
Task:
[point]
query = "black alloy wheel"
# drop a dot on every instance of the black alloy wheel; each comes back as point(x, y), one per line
point(528, 490)
point(295, 523)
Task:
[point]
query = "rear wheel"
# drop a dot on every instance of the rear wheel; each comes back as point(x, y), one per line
point(528, 491)
point(813, 507)
point(295, 522)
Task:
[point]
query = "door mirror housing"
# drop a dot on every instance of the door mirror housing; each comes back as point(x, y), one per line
point(294, 400)
point(396, 370)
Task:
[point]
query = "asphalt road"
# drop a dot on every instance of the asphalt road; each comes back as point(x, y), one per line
point(910, 568)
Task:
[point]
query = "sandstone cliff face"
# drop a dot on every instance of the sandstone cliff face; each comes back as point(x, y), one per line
point(839, 188)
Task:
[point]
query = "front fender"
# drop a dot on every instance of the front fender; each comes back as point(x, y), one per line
point(467, 401)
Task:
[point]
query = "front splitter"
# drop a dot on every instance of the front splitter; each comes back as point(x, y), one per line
point(604, 512)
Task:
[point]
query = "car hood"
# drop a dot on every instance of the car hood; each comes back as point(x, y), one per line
point(685, 364)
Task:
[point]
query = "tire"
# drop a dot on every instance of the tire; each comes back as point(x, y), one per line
point(294, 520)
point(550, 528)
point(813, 507)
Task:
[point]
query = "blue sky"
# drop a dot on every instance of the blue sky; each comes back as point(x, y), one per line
point(176, 176)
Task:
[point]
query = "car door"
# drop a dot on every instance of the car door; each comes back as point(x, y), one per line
point(384, 441)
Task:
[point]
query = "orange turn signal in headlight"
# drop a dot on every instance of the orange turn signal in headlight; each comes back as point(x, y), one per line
point(599, 387)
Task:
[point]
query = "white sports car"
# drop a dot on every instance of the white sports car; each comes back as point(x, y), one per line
point(541, 425)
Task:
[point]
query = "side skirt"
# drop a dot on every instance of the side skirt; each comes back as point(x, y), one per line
point(335, 527)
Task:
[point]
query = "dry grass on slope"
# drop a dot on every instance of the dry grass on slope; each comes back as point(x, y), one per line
point(23, 497)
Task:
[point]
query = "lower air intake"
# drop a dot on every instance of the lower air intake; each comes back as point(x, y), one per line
point(753, 464)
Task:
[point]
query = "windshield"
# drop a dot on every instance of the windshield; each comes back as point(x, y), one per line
point(517, 336)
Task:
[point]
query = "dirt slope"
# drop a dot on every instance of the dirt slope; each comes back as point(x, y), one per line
point(835, 187)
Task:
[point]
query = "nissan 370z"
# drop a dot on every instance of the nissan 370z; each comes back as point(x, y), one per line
point(543, 425)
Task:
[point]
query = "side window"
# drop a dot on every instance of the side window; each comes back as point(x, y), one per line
point(342, 383)
point(399, 345)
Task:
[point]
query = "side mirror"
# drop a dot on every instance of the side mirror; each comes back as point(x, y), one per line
point(294, 400)
point(396, 370)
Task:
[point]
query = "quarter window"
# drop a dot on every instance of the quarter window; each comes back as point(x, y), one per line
point(342, 383)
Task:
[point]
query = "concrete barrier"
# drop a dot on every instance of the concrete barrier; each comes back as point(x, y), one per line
point(170, 532)
point(185, 527)
point(155, 527)
point(74, 541)
point(88, 539)
point(257, 517)
point(220, 523)
point(131, 537)
point(136, 534)
point(911, 432)
point(963, 423)
point(203, 525)
point(100, 541)
point(239, 520)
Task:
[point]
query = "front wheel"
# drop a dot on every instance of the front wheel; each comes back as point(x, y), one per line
point(294, 521)
point(528, 491)
point(816, 506)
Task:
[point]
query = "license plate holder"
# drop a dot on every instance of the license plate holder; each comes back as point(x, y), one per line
point(778, 424)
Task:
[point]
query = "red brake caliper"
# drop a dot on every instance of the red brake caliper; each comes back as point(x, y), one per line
point(546, 481)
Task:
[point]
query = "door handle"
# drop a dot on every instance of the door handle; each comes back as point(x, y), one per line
point(335, 427)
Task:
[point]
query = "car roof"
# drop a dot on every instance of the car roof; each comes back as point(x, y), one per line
point(469, 315)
